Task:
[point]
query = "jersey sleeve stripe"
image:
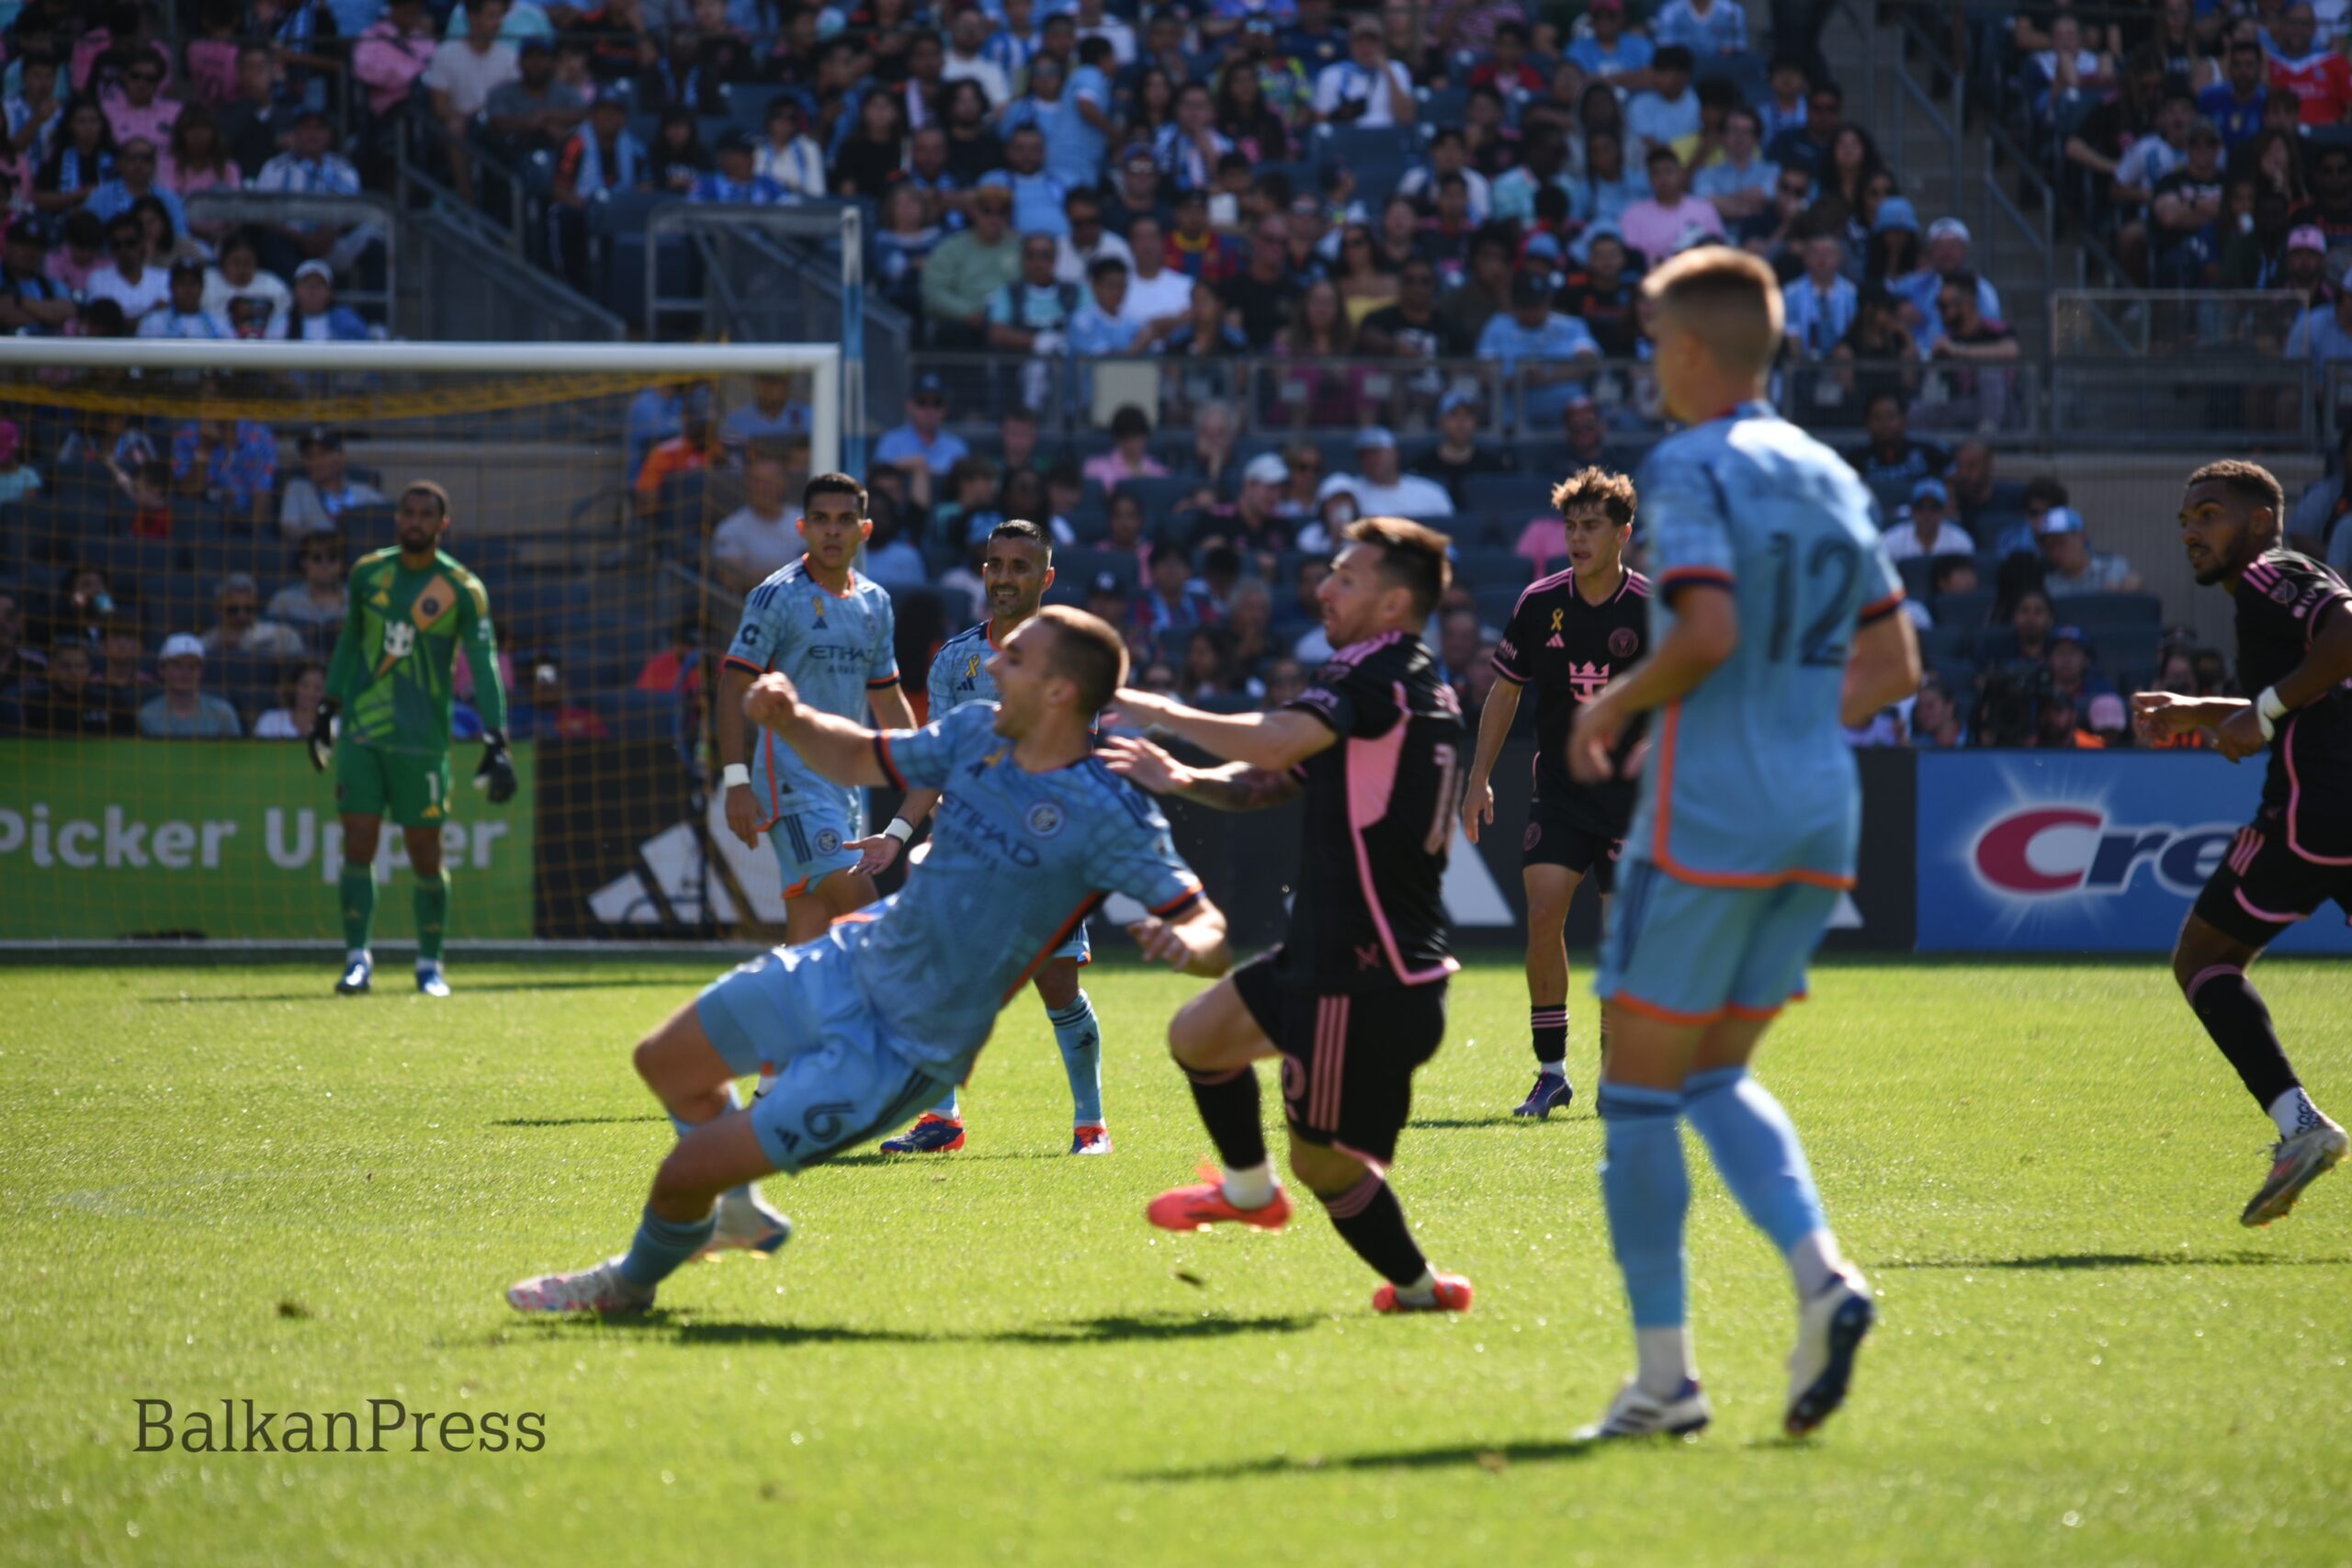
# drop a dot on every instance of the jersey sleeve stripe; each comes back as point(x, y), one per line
point(1178, 905)
point(1695, 574)
point(882, 755)
point(1505, 671)
point(1879, 609)
point(885, 684)
point(735, 661)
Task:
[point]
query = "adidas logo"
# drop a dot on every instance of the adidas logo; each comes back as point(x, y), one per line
point(1554, 641)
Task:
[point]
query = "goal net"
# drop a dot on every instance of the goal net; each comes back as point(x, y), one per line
point(178, 523)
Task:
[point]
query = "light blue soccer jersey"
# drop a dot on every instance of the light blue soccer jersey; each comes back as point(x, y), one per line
point(1017, 860)
point(836, 648)
point(1750, 781)
point(959, 670)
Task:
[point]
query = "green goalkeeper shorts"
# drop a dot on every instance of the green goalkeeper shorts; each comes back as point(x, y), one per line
point(412, 790)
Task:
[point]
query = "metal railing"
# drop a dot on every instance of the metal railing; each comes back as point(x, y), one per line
point(352, 216)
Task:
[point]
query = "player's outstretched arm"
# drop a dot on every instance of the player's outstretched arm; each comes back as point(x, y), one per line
point(1705, 631)
point(1236, 786)
point(1883, 669)
point(1191, 944)
point(1276, 741)
point(835, 747)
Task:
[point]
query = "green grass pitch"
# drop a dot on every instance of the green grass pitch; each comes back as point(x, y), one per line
point(221, 1182)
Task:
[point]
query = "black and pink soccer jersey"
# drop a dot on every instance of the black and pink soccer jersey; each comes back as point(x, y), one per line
point(1568, 650)
point(1369, 914)
point(2283, 601)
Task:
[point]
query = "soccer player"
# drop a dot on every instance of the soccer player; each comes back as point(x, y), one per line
point(1568, 635)
point(1374, 743)
point(2294, 627)
point(1016, 571)
point(871, 1021)
point(407, 609)
point(829, 626)
point(1775, 620)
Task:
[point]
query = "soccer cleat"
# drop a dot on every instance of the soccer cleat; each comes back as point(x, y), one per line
point(429, 980)
point(1094, 1139)
point(746, 1225)
point(1635, 1413)
point(1198, 1208)
point(358, 976)
point(1830, 1328)
point(1552, 1092)
point(1452, 1295)
point(930, 1135)
point(2295, 1164)
point(598, 1289)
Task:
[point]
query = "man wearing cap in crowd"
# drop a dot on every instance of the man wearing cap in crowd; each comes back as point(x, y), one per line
point(737, 181)
point(2069, 564)
point(1948, 248)
point(1106, 600)
point(2302, 264)
point(184, 315)
point(1456, 455)
point(969, 267)
point(2075, 681)
point(922, 445)
point(1926, 529)
point(1538, 349)
point(317, 498)
point(1253, 522)
point(1367, 90)
point(2323, 333)
point(1380, 487)
point(185, 711)
point(2185, 216)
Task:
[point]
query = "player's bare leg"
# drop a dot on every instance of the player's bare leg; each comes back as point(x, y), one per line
point(432, 905)
point(1549, 890)
point(1218, 1043)
point(1080, 1038)
point(812, 914)
point(357, 891)
point(687, 1073)
point(2211, 968)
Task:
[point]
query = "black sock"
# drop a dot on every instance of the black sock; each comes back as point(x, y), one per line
point(2234, 1014)
point(1228, 1103)
point(1369, 1219)
point(1549, 1026)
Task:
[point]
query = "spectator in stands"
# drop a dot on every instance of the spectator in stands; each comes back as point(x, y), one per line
point(389, 57)
point(137, 109)
point(2234, 104)
point(1546, 353)
point(2318, 518)
point(1974, 497)
point(1030, 314)
point(1206, 333)
point(1253, 524)
point(31, 301)
point(1805, 145)
point(2316, 72)
point(1705, 28)
point(1895, 461)
point(127, 278)
point(1136, 191)
point(2097, 142)
point(242, 627)
point(787, 153)
point(134, 181)
point(1189, 147)
point(2330, 207)
point(2322, 332)
point(903, 244)
point(310, 167)
point(461, 76)
point(921, 447)
point(1667, 114)
point(1157, 293)
point(689, 451)
point(2075, 679)
point(1783, 106)
point(1037, 195)
point(1610, 52)
point(1130, 454)
point(1087, 241)
point(35, 110)
point(1315, 386)
point(1971, 337)
point(757, 540)
point(2071, 566)
point(968, 269)
point(314, 316)
point(1670, 219)
point(2187, 213)
point(120, 652)
point(2030, 620)
point(1263, 296)
point(973, 146)
point(2042, 496)
point(1739, 182)
point(1175, 602)
point(1285, 679)
point(299, 692)
point(182, 314)
point(70, 704)
point(201, 161)
point(21, 666)
point(314, 602)
point(256, 118)
point(677, 158)
point(772, 415)
point(1819, 308)
point(1380, 486)
point(737, 181)
point(1456, 455)
point(18, 478)
point(1544, 161)
point(252, 301)
point(2066, 77)
point(1936, 722)
point(1926, 529)
point(1368, 90)
point(534, 112)
point(1777, 234)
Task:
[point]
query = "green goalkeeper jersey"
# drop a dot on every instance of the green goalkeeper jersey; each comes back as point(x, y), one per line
point(400, 634)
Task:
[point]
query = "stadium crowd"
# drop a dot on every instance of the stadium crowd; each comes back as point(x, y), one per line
point(1407, 237)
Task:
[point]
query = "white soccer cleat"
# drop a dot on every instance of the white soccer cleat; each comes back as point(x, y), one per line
point(431, 981)
point(1636, 1413)
point(1830, 1328)
point(359, 976)
point(2295, 1164)
point(746, 1226)
point(598, 1289)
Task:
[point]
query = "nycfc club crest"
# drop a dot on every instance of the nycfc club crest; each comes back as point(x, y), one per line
point(827, 840)
point(1045, 819)
point(1623, 642)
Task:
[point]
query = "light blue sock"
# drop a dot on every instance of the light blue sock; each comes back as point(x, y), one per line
point(1081, 1043)
point(1757, 1152)
point(734, 1102)
point(662, 1248)
point(1648, 1193)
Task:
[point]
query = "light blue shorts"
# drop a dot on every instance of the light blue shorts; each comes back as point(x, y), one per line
point(1692, 955)
point(814, 826)
point(839, 1079)
point(1077, 946)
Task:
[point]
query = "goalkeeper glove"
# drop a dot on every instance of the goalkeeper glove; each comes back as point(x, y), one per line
point(323, 736)
point(496, 775)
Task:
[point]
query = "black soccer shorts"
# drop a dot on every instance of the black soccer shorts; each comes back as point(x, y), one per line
point(2262, 887)
point(1555, 838)
point(1348, 1061)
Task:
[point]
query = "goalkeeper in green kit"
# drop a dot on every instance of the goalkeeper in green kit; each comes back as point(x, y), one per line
point(409, 609)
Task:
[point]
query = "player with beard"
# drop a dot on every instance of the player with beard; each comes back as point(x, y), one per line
point(2294, 630)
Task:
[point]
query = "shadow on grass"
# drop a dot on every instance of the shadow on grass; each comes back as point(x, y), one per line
point(574, 1120)
point(481, 988)
point(2127, 1260)
point(875, 1157)
point(1458, 1124)
point(1120, 1328)
point(1492, 1457)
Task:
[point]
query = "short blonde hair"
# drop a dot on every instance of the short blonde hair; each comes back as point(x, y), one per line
point(1613, 492)
point(1730, 299)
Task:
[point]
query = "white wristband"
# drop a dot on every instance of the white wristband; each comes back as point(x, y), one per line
point(2268, 709)
point(899, 829)
point(734, 773)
